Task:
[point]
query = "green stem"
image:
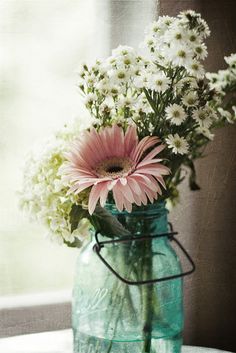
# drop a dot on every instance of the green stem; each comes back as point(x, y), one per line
point(147, 297)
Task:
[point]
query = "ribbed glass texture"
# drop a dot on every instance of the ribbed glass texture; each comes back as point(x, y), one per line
point(110, 316)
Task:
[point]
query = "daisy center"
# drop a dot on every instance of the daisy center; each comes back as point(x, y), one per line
point(177, 143)
point(114, 167)
point(176, 114)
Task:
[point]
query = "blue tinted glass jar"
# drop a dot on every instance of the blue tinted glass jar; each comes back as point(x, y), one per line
point(110, 316)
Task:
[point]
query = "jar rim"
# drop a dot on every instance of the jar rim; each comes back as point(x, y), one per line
point(151, 209)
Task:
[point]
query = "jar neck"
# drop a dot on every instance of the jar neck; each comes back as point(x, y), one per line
point(143, 220)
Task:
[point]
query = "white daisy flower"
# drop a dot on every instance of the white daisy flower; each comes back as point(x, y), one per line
point(190, 99)
point(180, 56)
point(178, 144)
point(176, 114)
point(126, 102)
point(107, 107)
point(142, 105)
point(205, 132)
point(159, 82)
point(227, 115)
point(192, 37)
point(119, 76)
point(201, 51)
point(234, 109)
point(202, 117)
point(123, 50)
point(230, 60)
point(90, 99)
point(176, 35)
point(196, 69)
point(142, 80)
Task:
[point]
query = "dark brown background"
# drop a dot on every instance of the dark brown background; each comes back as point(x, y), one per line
point(205, 219)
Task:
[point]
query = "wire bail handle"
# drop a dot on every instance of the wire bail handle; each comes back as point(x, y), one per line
point(171, 236)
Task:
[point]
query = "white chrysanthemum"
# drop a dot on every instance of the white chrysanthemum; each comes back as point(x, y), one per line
point(179, 56)
point(159, 82)
point(123, 50)
point(234, 110)
point(126, 102)
point(176, 114)
point(44, 193)
point(119, 75)
point(190, 99)
point(90, 99)
point(142, 80)
point(196, 69)
point(202, 117)
point(176, 36)
point(142, 106)
point(205, 132)
point(178, 144)
point(186, 84)
point(200, 51)
point(227, 115)
point(230, 60)
point(107, 107)
point(192, 37)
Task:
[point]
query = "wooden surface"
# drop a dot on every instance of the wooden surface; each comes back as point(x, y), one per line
point(60, 342)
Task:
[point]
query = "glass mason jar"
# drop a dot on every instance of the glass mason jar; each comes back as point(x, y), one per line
point(110, 316)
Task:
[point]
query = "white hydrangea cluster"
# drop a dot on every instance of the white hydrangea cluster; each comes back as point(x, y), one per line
point(44, 192)
point(224, 83)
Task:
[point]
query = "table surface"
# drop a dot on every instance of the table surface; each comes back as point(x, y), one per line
point(60, 342)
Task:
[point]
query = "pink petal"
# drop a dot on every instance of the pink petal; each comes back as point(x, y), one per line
point(134, 185)
point(128, 205)
point(118, 197)
point(126, 191)
point(146, 143)
point(77, 187)
point(157, 169)
point(94, 196)
point(131, 139)
point(154, 152)
point(148, 161)
point(103, 194)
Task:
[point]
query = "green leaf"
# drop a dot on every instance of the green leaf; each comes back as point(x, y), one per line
point(77, 213)
point(76, 243)
point(192, 177)
point(107, 224)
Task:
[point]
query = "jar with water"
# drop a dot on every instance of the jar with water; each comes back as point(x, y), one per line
point(127, 294)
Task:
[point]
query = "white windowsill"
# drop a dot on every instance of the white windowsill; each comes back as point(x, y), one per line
point(35, 299)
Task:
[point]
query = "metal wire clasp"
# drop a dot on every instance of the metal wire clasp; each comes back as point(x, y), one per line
point(171, 235)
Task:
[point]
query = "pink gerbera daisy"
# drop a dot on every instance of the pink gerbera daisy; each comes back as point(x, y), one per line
point(111, 160)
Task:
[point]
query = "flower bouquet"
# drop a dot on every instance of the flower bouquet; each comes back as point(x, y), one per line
point(107, 187)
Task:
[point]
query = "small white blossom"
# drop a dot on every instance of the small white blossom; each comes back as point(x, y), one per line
point(179, 56)
point(90, 99)
point(202, 117)
point(205, 132)
point(227, 115)
point(159, 82)
point(200, 51)
point(176, 114)
point(178, 144)
point(230, 60)
point(190, 99)
point(196, 69)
